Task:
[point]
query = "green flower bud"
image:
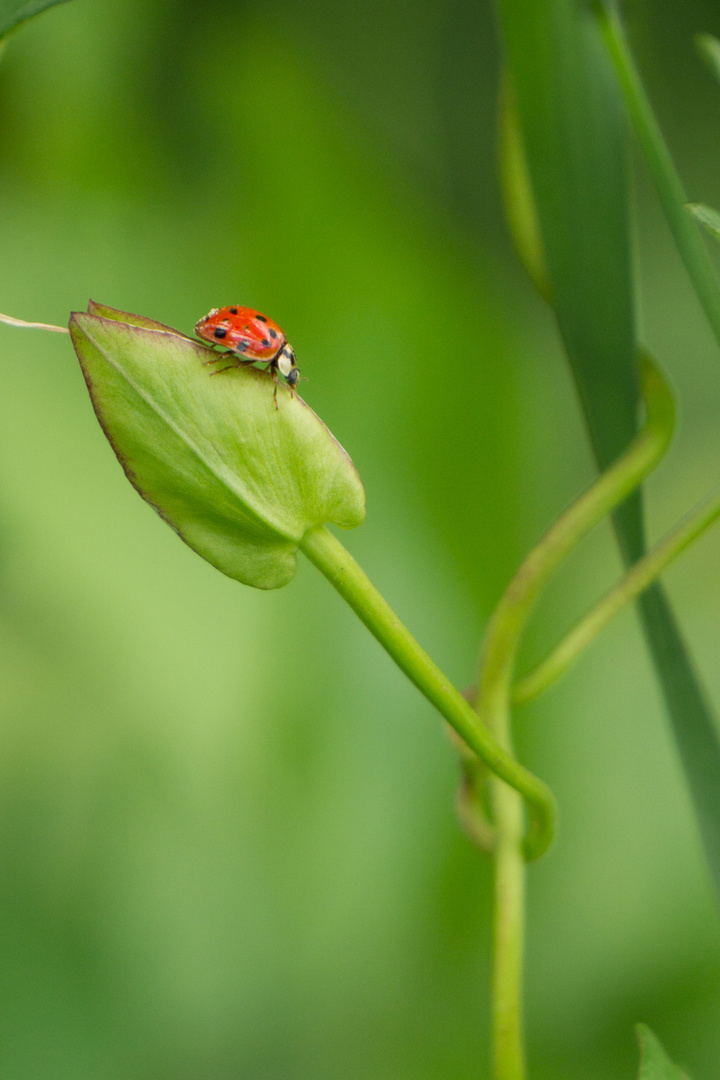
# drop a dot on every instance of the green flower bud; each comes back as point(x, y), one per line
point(240, 481)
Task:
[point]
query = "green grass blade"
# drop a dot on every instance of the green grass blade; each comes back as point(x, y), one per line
point(667, 181)
point(571, 117)
point(709, 49)
point(14, 12)
point(707, 217)
point(654, 1062)
point(574, 139)
point(693, 722)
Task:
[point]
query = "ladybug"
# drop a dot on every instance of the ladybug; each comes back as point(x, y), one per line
point(253, 336)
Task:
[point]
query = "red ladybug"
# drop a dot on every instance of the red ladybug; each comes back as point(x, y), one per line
point(252, 335)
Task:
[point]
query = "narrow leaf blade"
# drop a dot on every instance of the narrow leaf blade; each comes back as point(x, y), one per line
point(570, 115)
point(14, 12)
point(707, 217)
point(709, 49)
point(574, 138)
point(654, 1062)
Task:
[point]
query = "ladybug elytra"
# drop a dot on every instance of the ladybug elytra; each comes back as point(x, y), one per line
point(249, 336)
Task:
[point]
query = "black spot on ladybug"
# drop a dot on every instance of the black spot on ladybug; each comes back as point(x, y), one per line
point(233, 311)
point(272, 334)
point(265, 343)
point(219, 332)
point(242, 346)
point(261, 318)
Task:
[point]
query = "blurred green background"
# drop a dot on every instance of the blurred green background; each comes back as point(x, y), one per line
point(227, 842)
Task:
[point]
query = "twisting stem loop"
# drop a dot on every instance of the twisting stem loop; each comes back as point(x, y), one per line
point(609, 490)
point(493, 704)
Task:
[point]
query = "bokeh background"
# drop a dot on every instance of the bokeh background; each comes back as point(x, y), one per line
point(227, 842)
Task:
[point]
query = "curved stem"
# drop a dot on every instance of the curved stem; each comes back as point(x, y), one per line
point(610, 489)
point(493, 703)
point(635, 581)
point(471, 816)
point(342, 571)
point(518, 197)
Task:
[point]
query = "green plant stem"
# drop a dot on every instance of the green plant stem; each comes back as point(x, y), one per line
point(635, 581)
point(343, 572)
point(607, 492)
point(672, 196)
point(493, 702)
point(470, 812)
point(508, 911)
point(518, 198)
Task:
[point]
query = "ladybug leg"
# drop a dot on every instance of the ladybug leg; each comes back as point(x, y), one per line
point(218, 356)
point(237, 363)
point(232, 367)
point(273, 367)
point(228, 367)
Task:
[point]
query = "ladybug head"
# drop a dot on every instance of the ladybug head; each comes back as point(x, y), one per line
point(285, 361)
